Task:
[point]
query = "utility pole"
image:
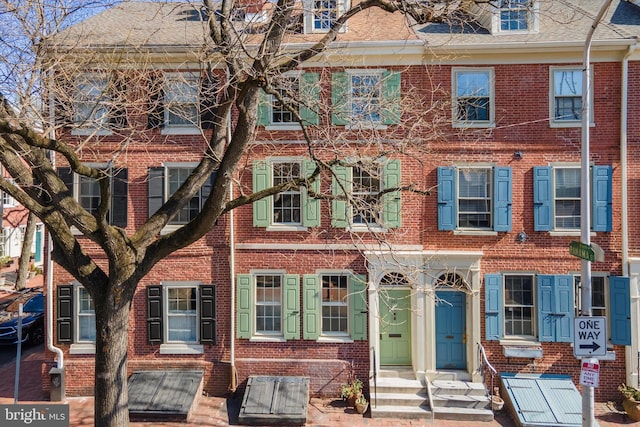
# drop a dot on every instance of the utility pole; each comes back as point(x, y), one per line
point(588, 418)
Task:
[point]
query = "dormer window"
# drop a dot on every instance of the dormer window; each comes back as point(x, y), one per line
point(516, 15)
point(321, 15)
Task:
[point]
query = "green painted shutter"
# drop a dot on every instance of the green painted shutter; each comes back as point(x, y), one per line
point(244, 300)
point(391, 96)
point(392, 202)
point(154, 314)
point(311, 300)
point(310, 205)
point(493, 306)
point(207, 314)
point(310, 90)
point(261, 181)
point(358, 307)
point(291, 312)
point(620, 310)
point(64, 314)
point(340, 98)
point(264, 109)
point(340, 208)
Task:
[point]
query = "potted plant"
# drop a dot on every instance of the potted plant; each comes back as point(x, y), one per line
point(361, 404)
point(496, 401)
point(631, 401)
point(351, 391)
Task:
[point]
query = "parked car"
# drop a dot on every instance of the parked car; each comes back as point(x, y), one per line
point(32, 319)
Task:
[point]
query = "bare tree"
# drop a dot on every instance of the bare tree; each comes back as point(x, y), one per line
point(41, 114)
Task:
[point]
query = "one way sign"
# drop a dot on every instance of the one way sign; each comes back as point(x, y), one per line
point(590, 336)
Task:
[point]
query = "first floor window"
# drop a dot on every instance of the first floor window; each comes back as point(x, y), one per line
point(518, 305)
point(598, 296)
point(335, 308)
point(86, 316)
point(182, 314)
point(268, 304)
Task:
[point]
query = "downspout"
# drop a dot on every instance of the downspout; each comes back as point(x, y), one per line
point(232, 272)
point(623, 158)
point(49, 278)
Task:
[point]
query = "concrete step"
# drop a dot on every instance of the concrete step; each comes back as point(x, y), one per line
point(450, 375)
point(460, 401)
point(462, 414)
point(397, 372)
point(396, 385)
point(401, 412)
point(464, 388)
point(401, 399)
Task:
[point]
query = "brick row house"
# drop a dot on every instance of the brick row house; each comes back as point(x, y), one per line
point(303, 286)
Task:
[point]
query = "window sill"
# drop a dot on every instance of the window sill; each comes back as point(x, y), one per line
point(335, 339)
point(91, 131)
point(284, 227)
point(181, 130)
point(359, 126)
point(267, 339)
point(575, 233)
point(477, 125)
point(521, 348)
point(170, 228)
point(475, 233)
point(367, 229)
point(82, 348)
point(181, 349)
point(288, 126)
point(568, 124)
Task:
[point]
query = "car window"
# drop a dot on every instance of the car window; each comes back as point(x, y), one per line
point(32, 305)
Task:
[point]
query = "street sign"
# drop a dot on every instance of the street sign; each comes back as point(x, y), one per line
point(590, 372)
point(582, 250)
point(589, 336)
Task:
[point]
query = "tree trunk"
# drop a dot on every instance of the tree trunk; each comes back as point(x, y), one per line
point(25, 253)
point(112, 332)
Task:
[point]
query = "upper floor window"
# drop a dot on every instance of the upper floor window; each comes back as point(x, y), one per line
point(566, 96)
point(87, 192)
point(99, 103)
point(164, 181)
point(366, 207)
point(473, 99)
point(557, 192)
point(365, 98)
point(474, 198)
point(181, 100)
point(325, 13)
point(515, 15)
point(7, 199)
point(298, 96)
point(292, 207)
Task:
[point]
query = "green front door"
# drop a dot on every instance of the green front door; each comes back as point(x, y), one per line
point(395, 327)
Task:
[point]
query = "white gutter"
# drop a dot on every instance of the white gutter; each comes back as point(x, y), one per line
point(49, 278)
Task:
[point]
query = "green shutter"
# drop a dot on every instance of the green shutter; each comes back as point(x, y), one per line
point(310, 89)
point(310, 205)
point(264, 109)
point(340, 98)
point(311, 298)
point(392, 201)
point(341, 180)
point(261, 181)
point(244, 299)
point(291, 311)
point(358, 307)
point(391, 96)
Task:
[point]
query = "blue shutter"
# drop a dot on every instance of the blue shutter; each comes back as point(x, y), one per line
point(564, 308)
point(244, 308)
point(311, 298)
point(291, 311)
point(341, 182)
point(620, 310)
point(310, 205)
point(555, 308)
point(542, 194)
point(261, 181)
point(392, 201)
point(493, 306)
point(546, 323)
point(502, 198)
point(446, 198)
point(602, 199)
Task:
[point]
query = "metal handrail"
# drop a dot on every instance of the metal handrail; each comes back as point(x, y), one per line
point(375, 379)
point(484, 363)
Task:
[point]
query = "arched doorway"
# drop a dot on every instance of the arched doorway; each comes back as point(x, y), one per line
point(450, 319)
point(395, 320)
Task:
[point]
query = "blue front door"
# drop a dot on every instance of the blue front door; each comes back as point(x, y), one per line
point(450, 330)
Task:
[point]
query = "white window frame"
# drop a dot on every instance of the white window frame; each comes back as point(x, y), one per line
point(7, 199)
point(553, 122)
point(265, 333)
point(371, 193)
point(189, 80)
point(172, 225)
point(335, 334)
point(180, 347)
point(533, 307)
point(555, 199)
point(460, 123)
point(355, 122)
point(80, 313)
point(195, 314)
point(310, 16)
point(602, 310)
point(81, 346)
point(292, 192)
point(489, 197)
point(288, 125)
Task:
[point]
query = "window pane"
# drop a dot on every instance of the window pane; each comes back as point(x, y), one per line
point(474, 198)
point(567, 82)
point(473, 96)
point(268, 303)
point(365, 98)
point(181, 314)
point(365, 189)
point(324, 14)
point(91, 107)
point(334, 304)
point(89, 196)
point(176, 177)
point(181, 101)
point(567, 197)
point(86, 317)
point(514, 15)
point(289, 91)
point(518, 305)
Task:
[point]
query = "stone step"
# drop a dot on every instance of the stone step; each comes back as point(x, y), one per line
point(462, 414)
point(400, 399)
point(396, 385)
point(449, 376)
point(460, 401)
point(465, 388)
point(401, 372)
point(401, 412)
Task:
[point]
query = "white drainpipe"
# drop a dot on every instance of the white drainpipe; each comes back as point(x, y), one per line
point(232, 272)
